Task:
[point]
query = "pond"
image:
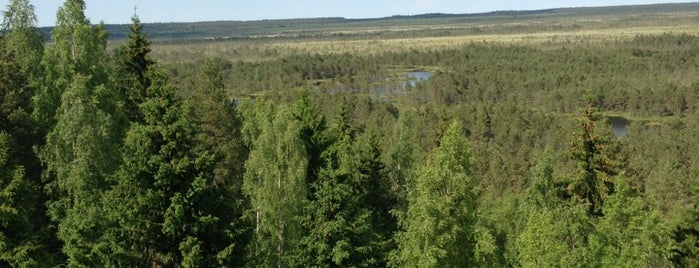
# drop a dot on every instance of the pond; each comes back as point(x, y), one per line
point(388, 85)
point(418, 76)
point(619, 124)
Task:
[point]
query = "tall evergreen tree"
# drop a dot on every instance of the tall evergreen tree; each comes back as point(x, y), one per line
point(592, 150)
point(439, 226)
point(133, 62)
point(347, 216)
point(167, 208)
point(218, 120)
point(33, 240)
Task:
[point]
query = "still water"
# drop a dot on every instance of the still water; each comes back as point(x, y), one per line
point(619, 124)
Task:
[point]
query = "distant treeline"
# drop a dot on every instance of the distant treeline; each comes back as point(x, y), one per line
point(320, 26)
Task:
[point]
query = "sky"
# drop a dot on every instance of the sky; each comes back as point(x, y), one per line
point(120, 11)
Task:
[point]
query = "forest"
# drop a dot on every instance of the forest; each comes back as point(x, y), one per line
point(542, 149)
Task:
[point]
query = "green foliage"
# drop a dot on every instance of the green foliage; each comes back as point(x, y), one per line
point(555, 237)
point(19, 247)
point(24, 41)
point(133, 62)
point(630, 234)
point(167, 207)
point(439, 227)
point(77, 47)
point(275, 183)
point(348, 221)
point(359, 168)
point(596, 163)
point(78, 154)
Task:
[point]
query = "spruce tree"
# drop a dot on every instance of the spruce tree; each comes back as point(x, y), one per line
point(31, 241)
point(133, 62)
point(593, 152)
point(166, 207)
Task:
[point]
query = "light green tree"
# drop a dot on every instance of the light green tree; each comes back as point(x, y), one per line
point(555, 230)
point(441, 216)
point(275, 183)
point(630, 234)
point(19, 21)
point(79, 154)
point(77, 47)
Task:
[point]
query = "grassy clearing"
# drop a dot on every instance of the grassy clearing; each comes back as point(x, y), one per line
point(271, 48)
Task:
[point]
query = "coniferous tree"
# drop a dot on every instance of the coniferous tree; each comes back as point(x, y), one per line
point(439, 225)
point(133, 62)
point(219, 132)
point(218, 120)
point(592, 150)
point(167, 208)
point(347, 216)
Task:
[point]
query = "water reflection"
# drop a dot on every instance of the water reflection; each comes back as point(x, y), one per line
point(619, 124)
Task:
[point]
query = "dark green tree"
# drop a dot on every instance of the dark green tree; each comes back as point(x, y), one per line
point(133, 61)
point(686, 237)
point(347, 216)
point(20, 53)
point(593, 152)
point(166, 207)
point(219, 124)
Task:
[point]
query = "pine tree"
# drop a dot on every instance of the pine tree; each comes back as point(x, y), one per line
point(439, 225)
point(218, 120)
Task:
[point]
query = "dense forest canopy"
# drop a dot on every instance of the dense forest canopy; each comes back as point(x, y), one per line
point(415, 148)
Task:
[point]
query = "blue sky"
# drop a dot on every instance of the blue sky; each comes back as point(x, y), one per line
point(120, 11)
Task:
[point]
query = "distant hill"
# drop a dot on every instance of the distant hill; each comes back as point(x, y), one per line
point(322, 26)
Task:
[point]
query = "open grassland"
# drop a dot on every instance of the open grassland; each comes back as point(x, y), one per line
point(367, 38)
